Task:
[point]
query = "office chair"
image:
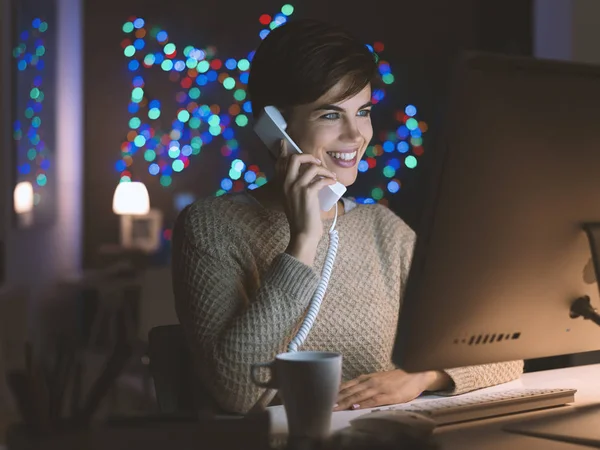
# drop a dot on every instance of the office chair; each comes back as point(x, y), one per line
point(177, 391)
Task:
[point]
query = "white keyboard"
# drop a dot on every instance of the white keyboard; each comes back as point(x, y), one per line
point(479, 406)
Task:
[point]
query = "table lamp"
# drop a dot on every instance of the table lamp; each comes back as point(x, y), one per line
point(131, 198)
point(140, 225)
point(23, 203)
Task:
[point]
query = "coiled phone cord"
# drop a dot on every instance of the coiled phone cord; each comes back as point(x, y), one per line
point(313, 308)
point(315, 303)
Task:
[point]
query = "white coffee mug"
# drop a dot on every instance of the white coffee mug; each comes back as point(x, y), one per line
point(308, 383)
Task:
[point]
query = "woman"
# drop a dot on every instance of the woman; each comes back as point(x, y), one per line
point(245, 266)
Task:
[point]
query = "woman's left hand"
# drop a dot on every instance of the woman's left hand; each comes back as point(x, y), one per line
point(388, 388)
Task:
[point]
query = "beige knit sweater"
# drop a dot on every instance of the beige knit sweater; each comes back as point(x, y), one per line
point(241, 299)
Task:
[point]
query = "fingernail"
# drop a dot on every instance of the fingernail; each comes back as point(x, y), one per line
point(318, 160)
point(336, 405)
point(355, 406)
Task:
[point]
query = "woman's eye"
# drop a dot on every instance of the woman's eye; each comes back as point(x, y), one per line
point(331, 116)
point(364, 113)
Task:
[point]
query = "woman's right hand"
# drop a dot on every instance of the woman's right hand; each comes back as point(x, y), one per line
point(302, 176)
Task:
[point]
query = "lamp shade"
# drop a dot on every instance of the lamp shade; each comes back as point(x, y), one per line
point(131, 198)
point(23, 197)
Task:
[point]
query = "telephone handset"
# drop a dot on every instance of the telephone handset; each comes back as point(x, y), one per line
point(270, 128)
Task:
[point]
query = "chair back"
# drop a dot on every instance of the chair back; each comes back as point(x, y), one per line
point(172, 370)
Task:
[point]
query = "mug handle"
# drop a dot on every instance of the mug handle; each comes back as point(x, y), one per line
point(270, 384)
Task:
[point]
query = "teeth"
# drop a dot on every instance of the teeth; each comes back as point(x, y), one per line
point(344, 156)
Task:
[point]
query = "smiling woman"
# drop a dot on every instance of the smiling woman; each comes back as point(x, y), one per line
point(321, 79)
point(337, 134)
point(245, 266)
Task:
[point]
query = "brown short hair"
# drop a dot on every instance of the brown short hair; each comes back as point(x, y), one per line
point(301, 60)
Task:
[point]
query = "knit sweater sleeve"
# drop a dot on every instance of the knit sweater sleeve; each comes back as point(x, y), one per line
point(470, 378)
point(230, 326)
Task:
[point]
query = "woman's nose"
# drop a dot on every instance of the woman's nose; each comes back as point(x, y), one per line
point(351, 131)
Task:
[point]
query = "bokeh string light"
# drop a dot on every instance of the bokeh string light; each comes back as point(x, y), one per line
point(33, 159)
point(391, 152)
point(198, 125)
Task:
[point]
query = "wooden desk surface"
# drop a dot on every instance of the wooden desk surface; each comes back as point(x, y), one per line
point(487, 434)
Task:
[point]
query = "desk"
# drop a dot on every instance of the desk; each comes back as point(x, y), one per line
point(487, 434)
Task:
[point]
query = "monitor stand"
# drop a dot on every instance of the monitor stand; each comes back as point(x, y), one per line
point(582, 306)
point(576, 425)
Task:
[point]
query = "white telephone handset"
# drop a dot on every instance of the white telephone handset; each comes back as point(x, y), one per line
point(270, 128)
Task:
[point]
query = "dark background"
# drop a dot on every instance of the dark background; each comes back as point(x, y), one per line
point(44, 211)
point(421, 40)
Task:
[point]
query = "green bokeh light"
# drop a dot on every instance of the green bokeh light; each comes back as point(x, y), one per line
point(137, 94)
point(169, 48)
point(194, 123)
point(412, 124)
point(149, 155)
point(377, 193)
point(129, 51)
point(243, 64)
point(241, 120)
point(183, 115)
point(134, 123)
point(191, 63)
point(228, 83)
point(239, 95)
point(196, 144)
point(389, 172)
point(410, 161)
point(214, 120)
point(287, 9)
point(388, 78)
point(139, 141)
point(178, 165)
point(203, 66)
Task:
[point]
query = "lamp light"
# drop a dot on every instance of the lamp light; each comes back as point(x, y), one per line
point(23, 197)
point(131, 198)
point(140, 225)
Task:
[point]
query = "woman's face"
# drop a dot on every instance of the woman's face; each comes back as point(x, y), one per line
point(336, 133)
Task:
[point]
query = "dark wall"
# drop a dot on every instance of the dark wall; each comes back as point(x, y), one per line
point(4, 140)
point(421, 40)
point(25, 254)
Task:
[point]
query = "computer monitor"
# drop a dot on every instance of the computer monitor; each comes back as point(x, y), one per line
point(501, 253)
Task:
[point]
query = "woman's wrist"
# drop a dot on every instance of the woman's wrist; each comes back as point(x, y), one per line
point(437, 381)
point(304, 249)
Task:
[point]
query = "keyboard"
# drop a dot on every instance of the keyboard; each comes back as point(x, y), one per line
point(450, 410)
